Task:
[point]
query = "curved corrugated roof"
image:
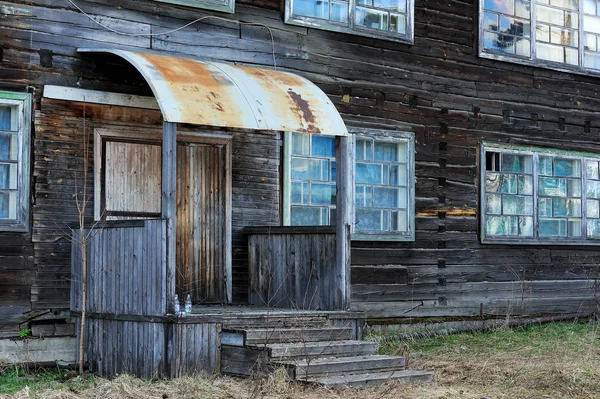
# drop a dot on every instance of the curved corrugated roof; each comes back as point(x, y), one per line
point(218, 94)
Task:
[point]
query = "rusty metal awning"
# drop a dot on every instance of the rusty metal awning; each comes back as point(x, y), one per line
point(217, 94)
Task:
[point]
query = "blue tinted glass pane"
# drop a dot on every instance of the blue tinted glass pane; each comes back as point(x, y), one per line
point(593, 228)
point(490, 21)
point(593, 189)
point(517, 163)
point(398, 175)
point(5, 118)
point(322, 194)
point(300, 144)
point(386, 151)
point(368, 173)
point(525, 184)
point(323, 146)
point(574, 187)
point(593, 209)
point(312, 8)
point(503, 6)
point(364, 196)
point(386, 197)
point(332, 172)
point(566, 207)
point(545, 166)
point(309, 169)
point(4, 205)
point(363, 150)
point(553, 187)
point(567, 167)
point(5, 146)
point(299, 193)
point(545, 207)
point(508, 184)
point(386, 175)
point(574, 227)
point(305, 216)
point(516, 205)
point(368, 219)
point(552, 227)
point(493, 204)
point(399, 221)
point(591, 169)
point(526, 226)
point(502, 225)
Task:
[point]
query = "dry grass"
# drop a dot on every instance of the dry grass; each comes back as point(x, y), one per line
point(558, 361)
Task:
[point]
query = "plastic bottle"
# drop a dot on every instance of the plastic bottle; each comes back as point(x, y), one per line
point(188, 304)
point(177, 305)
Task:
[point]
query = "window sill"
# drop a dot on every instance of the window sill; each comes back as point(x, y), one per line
point(382, 237)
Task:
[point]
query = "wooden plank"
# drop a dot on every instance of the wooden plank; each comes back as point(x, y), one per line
point(169, 205)
point(99, 97)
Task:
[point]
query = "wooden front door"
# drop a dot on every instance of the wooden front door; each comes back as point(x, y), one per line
point(202, 221)
point(128, 182)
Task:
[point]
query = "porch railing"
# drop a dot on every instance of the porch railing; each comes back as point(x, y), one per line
point(126, 268)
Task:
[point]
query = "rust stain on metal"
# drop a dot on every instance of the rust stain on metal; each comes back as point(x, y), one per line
point(217, 94)
point(303, 110)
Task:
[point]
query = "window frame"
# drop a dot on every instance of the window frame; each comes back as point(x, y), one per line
point(350, 27)
point(23, 102)
point(227, 6)
point(373, 134)
point(531, 60)
point(535, 152)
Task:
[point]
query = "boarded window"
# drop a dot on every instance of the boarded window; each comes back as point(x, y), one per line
point(15, 115)
point(561, 34)
point(132, 179)
point(540, 196)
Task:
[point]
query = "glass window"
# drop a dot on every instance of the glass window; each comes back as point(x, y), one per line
point(385, 19)
point(540, 196)
point(15, 115)
point(383, 184)
point(506, 32)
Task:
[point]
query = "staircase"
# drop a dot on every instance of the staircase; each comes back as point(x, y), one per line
point(311, 349)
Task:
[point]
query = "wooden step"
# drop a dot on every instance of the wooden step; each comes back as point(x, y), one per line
point(261, 336)
point(275, 320)
point(301, 369)
point(372, 379)
point(346, 348)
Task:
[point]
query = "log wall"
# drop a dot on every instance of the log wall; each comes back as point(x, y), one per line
point(437, 88)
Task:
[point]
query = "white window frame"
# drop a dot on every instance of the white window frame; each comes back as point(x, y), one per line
point(351, 27)
point(374, 134)
point(532, 60)
point(535, 152)
point(227, 6)
point(23, 103)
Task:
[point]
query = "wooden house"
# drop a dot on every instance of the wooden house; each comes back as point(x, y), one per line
point(375, 160)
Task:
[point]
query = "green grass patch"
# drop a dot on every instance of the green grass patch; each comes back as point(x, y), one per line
point(14, 379)
point(530, 341)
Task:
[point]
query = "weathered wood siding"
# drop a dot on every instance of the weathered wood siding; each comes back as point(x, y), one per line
point(294, 268)
point(255, 196)
point(438, 88)
point(151, 349)
point(126, 268)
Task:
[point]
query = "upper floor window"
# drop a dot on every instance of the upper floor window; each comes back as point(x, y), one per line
point(217, 5)
point(537, 196)
point(383, 183)
point(558, 34)
point(383, 19)
point(15, 117)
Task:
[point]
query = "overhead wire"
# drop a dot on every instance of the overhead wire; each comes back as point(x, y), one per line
point(91, 17)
